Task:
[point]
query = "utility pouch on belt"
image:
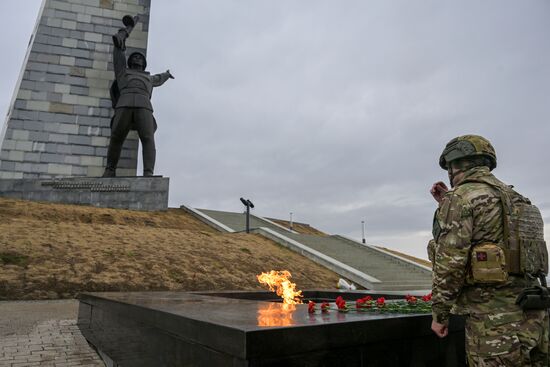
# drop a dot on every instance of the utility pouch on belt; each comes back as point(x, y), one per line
point(488, 264)
point(534, 298)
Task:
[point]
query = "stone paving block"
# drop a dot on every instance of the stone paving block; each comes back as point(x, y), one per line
point(72, 159)
point(68, 129)
point(84, 63)
point(69, 42)
point(80, 140)
point(32, 157)
point(47, 86)
point(20, 104)
point(20, 134)
point(38, 138)
point(59, 138)
point(52, 158)
point(25, 146)
point(24, 94)
point(15, 155)
point(86, 27)
point(52, 147)
point(82, 150)
point(9, 144)
point(59, 169)
point(15, 124)
point(65, 149)
point(54, 97)
point(40, 96)
point(60, 108)
point(32, 125)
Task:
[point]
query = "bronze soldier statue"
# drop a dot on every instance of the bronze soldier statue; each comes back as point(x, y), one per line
point(488, 256)
point(131, 95)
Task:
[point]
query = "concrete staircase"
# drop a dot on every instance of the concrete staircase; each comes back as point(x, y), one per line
point(366, 265)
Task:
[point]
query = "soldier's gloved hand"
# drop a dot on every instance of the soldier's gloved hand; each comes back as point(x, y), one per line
point(119, 39)
point(170, 74)
point(438, 190)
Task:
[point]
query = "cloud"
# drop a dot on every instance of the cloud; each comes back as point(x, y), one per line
point(338, 111)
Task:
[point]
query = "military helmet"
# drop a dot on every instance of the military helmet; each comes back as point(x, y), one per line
point(468, 146)
point(137, 53)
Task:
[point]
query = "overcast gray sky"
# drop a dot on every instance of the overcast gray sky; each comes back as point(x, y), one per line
point(337, 111)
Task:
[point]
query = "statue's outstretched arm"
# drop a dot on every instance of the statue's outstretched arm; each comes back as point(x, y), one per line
point(160, 79)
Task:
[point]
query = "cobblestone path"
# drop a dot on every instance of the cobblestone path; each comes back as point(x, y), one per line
point(43, 333)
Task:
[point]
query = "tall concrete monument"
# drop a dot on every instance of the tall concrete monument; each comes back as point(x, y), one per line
point(54, 143)
point(58, 124)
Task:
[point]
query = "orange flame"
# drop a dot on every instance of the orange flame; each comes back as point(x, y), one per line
point(278, 281)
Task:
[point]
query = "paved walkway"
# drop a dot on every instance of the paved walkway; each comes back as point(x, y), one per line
point(43, 333)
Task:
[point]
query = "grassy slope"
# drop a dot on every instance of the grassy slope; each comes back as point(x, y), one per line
point(55, 251)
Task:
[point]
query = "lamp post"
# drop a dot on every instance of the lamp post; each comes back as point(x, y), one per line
point(363, 231)
point(248, 205)
point(291, 221)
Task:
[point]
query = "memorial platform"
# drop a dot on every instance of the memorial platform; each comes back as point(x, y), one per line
point(137, 193)
point(253, 329)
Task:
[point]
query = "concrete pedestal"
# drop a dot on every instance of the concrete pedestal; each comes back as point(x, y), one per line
point(138, 193)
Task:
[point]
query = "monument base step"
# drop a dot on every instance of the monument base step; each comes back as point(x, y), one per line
point(137, 193)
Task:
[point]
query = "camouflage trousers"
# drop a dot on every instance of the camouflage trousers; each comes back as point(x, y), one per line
point(508, 339)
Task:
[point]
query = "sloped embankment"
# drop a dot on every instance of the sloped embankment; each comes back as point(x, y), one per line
point(52, 251)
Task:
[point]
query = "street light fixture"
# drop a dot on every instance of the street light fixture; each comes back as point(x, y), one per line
point(363, 231)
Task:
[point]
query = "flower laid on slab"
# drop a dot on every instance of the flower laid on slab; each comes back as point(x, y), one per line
point(341, 304)
point(410, 304)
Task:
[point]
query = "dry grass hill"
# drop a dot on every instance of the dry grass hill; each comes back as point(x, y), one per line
point(50, 251)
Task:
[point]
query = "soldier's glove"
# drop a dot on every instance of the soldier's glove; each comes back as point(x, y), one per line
point(119, 39)
point(534, 298)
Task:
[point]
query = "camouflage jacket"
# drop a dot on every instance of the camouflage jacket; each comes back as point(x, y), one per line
point(469, 214)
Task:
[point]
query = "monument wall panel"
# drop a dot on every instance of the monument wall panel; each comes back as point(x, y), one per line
point(58, 123)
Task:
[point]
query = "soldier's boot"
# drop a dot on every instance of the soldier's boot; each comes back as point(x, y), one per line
point(109, 172)
point(149, 156)
point(113, 155)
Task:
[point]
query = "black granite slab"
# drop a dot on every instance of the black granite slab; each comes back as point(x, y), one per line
point(243, 329)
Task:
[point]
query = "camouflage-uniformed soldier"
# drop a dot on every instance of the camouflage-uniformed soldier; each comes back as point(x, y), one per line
point(488, 248)
point(131, 94)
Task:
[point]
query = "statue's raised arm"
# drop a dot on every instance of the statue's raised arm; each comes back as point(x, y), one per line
point(119, 39)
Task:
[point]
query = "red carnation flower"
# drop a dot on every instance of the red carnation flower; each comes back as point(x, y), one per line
point(340, 303)
point(367, 298)
point(381, 302)
point(411, 300)
point(325, 306)
point(311, 307)
point(427, 298)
